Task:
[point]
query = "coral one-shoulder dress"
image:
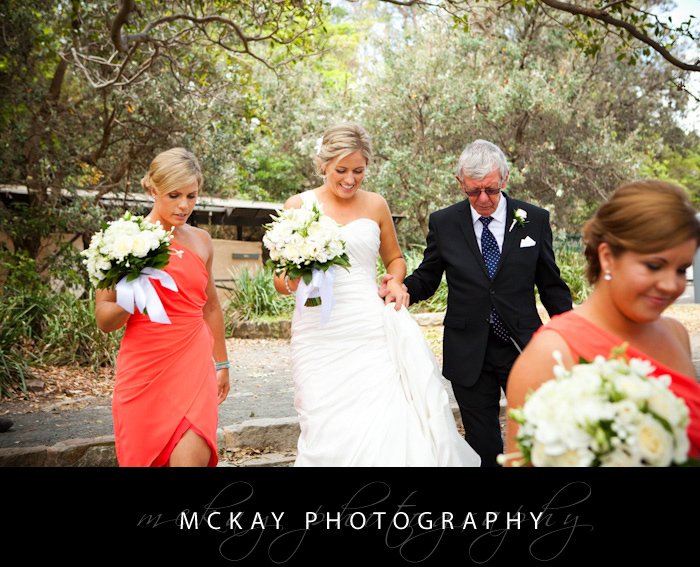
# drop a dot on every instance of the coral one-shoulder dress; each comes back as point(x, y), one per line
point(165, 379)
point(587, 340)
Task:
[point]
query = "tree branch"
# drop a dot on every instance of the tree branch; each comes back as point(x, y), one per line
point(115, 31)
point(604, 17)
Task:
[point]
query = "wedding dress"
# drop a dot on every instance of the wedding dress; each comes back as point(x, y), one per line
point(367, 387)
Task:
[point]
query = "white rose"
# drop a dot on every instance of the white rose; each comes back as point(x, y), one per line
point(682, 446)
point(641, 367)
point(122, 247)
point(572, 458)
point(626, 411)
point(307, 249)
point(538, 455)
point(634, 388)
point(140, 246)
point(654, 442)
point(316, 230)
point(619, 458)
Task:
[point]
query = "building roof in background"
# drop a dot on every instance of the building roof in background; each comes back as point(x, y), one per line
point(209, 210)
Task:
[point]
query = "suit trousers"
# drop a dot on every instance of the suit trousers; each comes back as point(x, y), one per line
point(479, 404)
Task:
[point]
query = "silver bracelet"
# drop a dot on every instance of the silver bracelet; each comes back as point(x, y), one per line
point(286, 284)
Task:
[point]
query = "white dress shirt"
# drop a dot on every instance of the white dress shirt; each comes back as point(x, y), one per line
point(497, 225)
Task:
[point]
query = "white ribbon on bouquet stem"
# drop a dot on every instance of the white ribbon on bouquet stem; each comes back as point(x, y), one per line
point(321, 286)
point(140, 292)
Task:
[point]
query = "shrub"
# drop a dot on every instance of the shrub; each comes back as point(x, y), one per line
point(39, 326)
point(438, 301)
point(70, 335)
point(568, 250)
point(254, 297)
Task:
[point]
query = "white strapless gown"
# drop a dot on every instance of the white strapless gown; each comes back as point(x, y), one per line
point(367, 386)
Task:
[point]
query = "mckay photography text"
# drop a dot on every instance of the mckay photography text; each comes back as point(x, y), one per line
point(402, 523)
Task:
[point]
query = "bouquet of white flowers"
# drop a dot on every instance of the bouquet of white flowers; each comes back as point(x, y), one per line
point(306, 243)
point(605, 413)
point(124, 255)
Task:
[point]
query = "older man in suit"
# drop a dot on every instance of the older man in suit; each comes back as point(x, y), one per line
point(494, 250)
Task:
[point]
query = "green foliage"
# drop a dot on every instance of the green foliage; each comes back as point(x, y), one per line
point(254, 297)
point(568, 251)
point(22, 310)
point(33, 231)
point(77, 113)
point(267, 174)
point(70, 335)
point(435, 304)
point(680, 165)
point(40, 326)
point(519, 84)
point(596, 26)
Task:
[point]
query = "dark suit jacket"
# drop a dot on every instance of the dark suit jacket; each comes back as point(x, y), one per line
point(452, 248)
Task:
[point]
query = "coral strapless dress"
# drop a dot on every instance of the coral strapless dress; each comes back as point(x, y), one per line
point(165, 379)
point(587, 340)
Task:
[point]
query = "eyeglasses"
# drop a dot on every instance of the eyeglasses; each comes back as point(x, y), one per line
point(475, 193)
point(491, 191)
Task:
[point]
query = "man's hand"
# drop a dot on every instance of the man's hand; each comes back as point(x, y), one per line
point(392, 291)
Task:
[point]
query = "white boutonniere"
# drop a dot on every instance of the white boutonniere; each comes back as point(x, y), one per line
point(520, 217)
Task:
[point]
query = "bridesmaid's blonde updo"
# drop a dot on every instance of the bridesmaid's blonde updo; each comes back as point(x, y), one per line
point(641, 217)
point(340, 141)
point(171, 170)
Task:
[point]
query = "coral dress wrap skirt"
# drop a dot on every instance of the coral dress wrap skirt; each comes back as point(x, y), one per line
point(165, 379)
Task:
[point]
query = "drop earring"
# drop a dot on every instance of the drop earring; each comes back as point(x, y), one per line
point(607, 276)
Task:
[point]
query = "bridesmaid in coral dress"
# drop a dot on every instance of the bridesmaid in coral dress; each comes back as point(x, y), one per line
point(638, 247)
point(167, 387)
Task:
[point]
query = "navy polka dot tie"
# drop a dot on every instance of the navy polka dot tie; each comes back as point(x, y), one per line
point(491, 253)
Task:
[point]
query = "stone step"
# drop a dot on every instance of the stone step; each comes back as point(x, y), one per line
point(276, 436)
point(263, 460)
point(95, 452)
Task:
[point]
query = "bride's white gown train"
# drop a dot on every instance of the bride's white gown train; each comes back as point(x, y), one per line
point(367, 387)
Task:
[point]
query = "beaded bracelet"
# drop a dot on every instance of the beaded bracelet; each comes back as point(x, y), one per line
point(290, 291)
point(226, 364)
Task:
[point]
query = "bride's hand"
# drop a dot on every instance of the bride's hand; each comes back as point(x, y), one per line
point(383, 289)
point(397, 292)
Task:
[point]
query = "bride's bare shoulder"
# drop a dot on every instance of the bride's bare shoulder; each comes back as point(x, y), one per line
point(294, 202)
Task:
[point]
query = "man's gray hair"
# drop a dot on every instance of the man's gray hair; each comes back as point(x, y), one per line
point(480, 158)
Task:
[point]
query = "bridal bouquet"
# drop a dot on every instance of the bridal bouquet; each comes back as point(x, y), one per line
point(306, 243)
point(124, 255)
point(604, 413)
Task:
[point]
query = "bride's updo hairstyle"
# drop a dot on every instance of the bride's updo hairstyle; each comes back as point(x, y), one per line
point(642, 217)
point(342, 140)
point(171, 170)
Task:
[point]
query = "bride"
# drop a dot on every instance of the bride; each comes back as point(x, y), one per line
point(367, 387)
